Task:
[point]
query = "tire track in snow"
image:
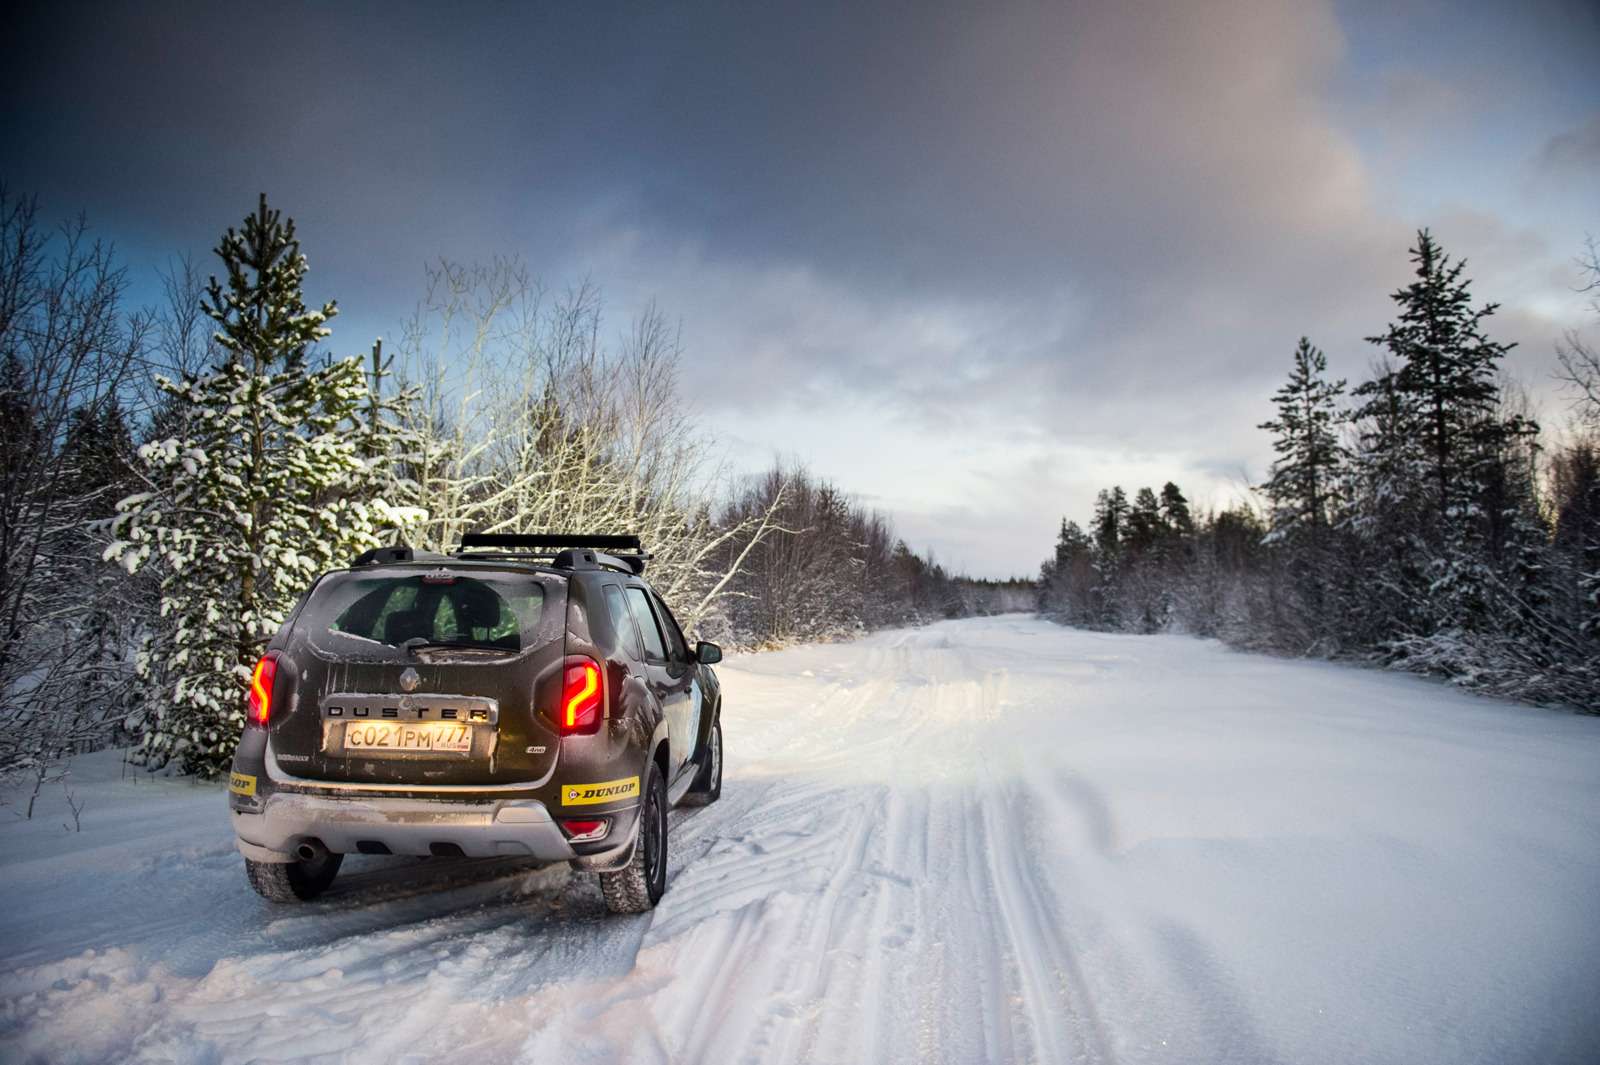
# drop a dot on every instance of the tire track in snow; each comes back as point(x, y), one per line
point(854, 896)
point(339, 998)
point(1061, 1015)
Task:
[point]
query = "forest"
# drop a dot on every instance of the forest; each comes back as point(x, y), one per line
point(1423, 519)
point(173, 478)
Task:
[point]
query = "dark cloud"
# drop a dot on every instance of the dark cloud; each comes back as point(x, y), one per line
point(973, 260)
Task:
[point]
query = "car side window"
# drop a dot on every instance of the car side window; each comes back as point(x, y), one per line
point(622, 622)
point(677, 647)
point(654, 649)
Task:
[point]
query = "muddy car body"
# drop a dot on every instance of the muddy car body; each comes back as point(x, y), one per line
point(518, 698)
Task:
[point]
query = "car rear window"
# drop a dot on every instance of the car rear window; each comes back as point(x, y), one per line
point(496, 611)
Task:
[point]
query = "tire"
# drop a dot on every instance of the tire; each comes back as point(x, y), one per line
point(707, 786)
point(292, 881)
point(637, 887)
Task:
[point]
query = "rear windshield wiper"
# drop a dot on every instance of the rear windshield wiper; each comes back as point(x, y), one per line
point(418, 643)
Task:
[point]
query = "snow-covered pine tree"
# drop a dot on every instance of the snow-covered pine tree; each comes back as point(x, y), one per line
point(1389, 552)
point(1068, 579)
point(1444, 392)
point(1308, 468)
point(1110, 530)
point(1141, 582)
point(278, 476)
point(1302, 491)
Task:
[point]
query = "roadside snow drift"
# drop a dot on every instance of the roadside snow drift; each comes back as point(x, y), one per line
point(985, 841)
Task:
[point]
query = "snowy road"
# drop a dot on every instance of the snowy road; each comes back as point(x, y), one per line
point(988, 840)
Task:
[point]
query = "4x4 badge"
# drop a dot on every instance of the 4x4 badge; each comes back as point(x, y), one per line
point(409, 680)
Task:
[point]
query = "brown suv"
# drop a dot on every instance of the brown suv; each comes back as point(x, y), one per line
point(528, 695)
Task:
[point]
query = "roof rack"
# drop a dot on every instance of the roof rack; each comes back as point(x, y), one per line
point(553, 541)
point(565, 550)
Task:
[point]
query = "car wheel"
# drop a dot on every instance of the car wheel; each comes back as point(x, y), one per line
point(707, 787)
point(637, 887)
point(292, 881)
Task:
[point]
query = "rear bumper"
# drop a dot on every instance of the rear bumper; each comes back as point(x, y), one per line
point(350, 824)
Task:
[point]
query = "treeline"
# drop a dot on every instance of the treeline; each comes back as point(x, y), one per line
point(171, 480)
point(826, 567)
point(1420, 519)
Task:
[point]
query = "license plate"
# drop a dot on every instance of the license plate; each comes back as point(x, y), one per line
point(408, 736)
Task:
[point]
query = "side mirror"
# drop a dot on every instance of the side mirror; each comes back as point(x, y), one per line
point(707, 654)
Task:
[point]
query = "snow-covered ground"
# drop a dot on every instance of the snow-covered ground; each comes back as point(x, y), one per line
point(988, 840)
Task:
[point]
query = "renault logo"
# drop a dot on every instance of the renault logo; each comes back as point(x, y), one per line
point(409, 680)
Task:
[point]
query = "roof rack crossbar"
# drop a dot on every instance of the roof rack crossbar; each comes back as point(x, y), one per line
point(551, 541)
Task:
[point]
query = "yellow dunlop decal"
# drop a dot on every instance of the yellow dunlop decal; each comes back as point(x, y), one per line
point(241, 784)
point(607, 791)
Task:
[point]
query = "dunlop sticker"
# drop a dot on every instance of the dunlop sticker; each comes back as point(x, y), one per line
point(242, 784)
point(606, 791)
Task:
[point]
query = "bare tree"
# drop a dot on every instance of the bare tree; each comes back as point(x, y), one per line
point(528, 423)
point(67, 352)
point(825, 567)
point(1580, 359)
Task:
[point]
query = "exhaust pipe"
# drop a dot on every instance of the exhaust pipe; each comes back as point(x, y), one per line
point(311, 850)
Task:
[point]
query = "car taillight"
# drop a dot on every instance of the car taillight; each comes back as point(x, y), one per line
point(582, 697)
point(266, 671)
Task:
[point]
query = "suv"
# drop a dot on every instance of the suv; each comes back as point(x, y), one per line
point(528, 695)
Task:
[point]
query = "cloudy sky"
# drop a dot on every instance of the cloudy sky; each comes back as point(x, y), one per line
point(972, 261)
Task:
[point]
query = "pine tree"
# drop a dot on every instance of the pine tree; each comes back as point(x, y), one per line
point(1175, 511)
point(1110, 519)
point(1145, 527)
point(275, 480)
point(1388, 553)
point(1440, 408)
point(1301, 489)
point(1310, 458)
point(1110, 532)
point(1068, 578)
point(1445, 371)
point(98, 452)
